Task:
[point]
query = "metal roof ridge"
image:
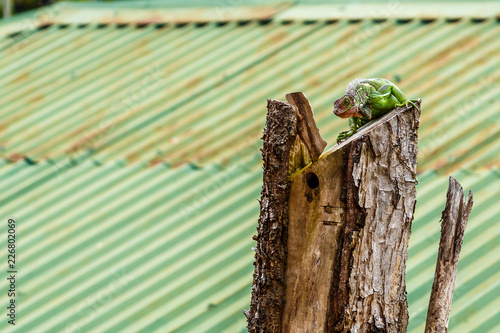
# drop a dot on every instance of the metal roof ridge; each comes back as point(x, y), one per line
point(124, 12)
point(138, 13)
point(388, 10)
point(156, 4)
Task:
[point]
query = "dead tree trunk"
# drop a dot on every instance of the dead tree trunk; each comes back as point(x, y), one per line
point(453, 222)
point(341, 227)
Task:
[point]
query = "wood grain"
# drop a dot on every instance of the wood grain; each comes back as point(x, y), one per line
point(306, 126)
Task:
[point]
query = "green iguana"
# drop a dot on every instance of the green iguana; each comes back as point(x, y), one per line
point(367, 99)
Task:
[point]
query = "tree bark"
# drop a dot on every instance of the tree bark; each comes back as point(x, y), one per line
point(369, 294)
point(453, 222)
point(270, 254)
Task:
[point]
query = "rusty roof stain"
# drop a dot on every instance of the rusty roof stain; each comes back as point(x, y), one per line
point(96, 90)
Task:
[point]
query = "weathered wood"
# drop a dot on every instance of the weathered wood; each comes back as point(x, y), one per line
point(306, 126)
point(299, 156)
point(350, 216)
point(315, 223)
point(270, 254)
point(332, 240)
point(453, 222)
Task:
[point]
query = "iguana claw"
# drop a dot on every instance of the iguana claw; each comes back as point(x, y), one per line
point(344, 135)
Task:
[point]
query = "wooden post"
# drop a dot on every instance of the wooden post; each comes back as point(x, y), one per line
point(453, 222)
point(343, 240)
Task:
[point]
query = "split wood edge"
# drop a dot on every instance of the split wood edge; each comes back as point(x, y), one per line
point(453, 222)
point(306, 126)
point(291, 141)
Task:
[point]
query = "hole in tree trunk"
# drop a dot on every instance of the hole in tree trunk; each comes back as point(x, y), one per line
point(312, 180)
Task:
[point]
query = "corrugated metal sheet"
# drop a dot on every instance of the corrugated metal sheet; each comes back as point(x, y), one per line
point(118, 248)
point(155, 93)
point(125, 249)
point(135, 198)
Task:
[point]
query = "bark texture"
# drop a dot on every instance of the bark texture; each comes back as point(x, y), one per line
point(266, 305)
point(453, 222)
point(380, 202)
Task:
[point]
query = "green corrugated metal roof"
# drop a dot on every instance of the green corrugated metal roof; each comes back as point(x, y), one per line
point(117, 248)
point(124, 249)
point(157, 92)
point(130, 154)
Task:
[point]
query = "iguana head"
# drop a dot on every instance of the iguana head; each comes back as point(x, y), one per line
point(345, 107)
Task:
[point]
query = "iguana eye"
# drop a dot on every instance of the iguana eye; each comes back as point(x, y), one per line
point(346, 101)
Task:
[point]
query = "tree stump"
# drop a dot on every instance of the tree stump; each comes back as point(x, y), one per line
point(336, 257)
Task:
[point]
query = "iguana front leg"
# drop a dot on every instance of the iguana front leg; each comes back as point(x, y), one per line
point(354, 124)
